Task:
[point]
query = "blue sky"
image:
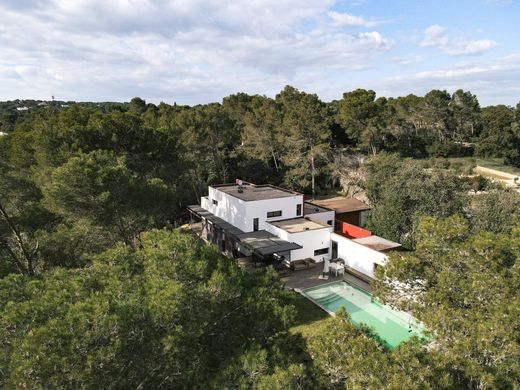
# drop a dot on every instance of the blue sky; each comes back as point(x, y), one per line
point(193, 51)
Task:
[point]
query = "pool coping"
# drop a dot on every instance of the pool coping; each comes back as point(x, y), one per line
point(330, 312)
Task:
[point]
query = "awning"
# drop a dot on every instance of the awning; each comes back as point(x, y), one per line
point(219, 223)
point(265, 243)
point(260, 242)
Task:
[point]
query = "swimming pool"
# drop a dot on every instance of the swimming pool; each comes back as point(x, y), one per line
point(392, 326)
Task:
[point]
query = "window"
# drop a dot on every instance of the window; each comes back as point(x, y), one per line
point(298, 209)
point(271, 214)
point(215, 202)
point(329, 222)
point(255, 224)
point(323, 251)
point(334, 250)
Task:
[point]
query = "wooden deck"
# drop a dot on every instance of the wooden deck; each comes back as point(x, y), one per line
point(311, 277)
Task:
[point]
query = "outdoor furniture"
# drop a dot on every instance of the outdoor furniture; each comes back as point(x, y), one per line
point(338, 268)
point(302, 264)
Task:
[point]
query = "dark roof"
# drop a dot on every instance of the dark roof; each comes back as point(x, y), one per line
point(311, 208)
point(342, 205)
point(261, 241)
point(265, 243)
point(212, 218)
point(251, 192)
point(377, 243)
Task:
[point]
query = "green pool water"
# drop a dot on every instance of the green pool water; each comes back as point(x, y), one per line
point(392, 326)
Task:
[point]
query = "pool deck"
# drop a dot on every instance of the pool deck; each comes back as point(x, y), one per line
point(311, 277)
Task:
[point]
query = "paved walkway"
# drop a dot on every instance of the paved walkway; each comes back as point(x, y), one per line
point(311, 277)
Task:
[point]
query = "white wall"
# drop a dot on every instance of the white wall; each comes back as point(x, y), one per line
point(240, 213)
point(310, 240)
point(259, 208)
point(323, 217)
point(358, 256)
point(229, 208)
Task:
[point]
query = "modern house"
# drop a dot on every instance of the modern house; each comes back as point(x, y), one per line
point(272, 223)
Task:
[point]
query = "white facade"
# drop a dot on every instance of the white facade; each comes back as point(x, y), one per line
point(241, 213)
point(357, 256)
point(311, 230)
point(323, 217)
point(310, 240)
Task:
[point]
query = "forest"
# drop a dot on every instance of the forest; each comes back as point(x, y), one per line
point(102, 287)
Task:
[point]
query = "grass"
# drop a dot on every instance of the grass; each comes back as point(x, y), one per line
point(493, 163)
point(309, 317)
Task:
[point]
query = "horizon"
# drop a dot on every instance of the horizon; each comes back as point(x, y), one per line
point(194, 52)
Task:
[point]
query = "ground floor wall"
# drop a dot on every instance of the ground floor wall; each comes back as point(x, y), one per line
point(357, 256)
point(314, 242)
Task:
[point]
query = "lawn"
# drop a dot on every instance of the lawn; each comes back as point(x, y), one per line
point(309, 317)
point(493, 163)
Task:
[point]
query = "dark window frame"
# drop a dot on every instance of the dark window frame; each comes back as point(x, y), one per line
point(298, 209)
point(321, 251)
point(274, 214)
point(215, 202)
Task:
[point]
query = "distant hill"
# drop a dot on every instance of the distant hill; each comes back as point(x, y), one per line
point(12, 110)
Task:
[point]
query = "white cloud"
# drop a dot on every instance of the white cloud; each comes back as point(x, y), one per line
point(348, 20)
point(408, 60)
point(435, 36)
point(493, 81)
point(190, 51)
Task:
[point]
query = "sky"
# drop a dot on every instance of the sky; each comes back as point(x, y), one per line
point(193, 51)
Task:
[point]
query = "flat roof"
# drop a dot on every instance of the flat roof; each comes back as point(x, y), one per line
point(298, 225)
point(310, 208)
point(377, 243)
point(212, 218)
point(251, 192)
point(341, 204)
point(266, 243)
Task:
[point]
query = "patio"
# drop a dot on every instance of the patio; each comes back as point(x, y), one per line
point(311, 277)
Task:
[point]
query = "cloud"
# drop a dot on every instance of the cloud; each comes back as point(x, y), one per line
point(189, 51)
point(348, 20)
point(435, 36)
point(493, 81)
point(408, 60)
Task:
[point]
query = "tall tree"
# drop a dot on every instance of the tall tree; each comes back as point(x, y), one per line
point(100, 188)
point(172, 314)
point(308, 142)
point(464, 289)
point(408, 192)
point(263, 135)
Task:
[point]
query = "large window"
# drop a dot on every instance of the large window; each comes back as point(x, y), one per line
point(271, 214)
point(323, 251)
point(298, 209)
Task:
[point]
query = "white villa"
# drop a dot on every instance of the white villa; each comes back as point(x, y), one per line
point(274, 224)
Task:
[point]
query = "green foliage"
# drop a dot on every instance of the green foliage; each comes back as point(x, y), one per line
point(402, 191)
point(347, 357)
point(172, 314)
point(99, 187)
point(465, 289)
point(496, 211)
point(306, 124)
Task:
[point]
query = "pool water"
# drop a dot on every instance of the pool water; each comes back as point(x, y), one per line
point(392, 326)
